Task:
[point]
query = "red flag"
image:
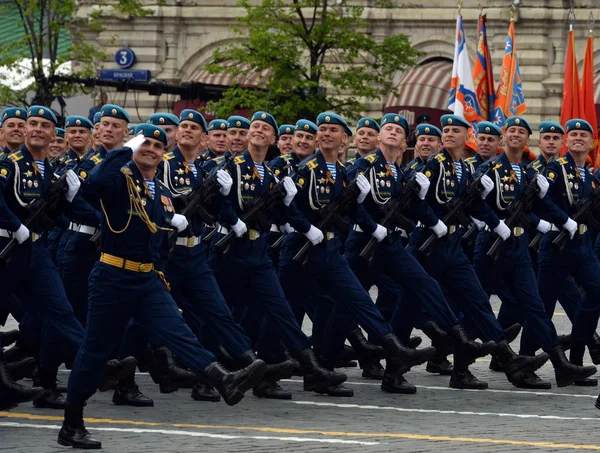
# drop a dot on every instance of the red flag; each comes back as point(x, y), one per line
point(587, 95)
point(572, 105)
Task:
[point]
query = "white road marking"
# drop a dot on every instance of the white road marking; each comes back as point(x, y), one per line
point(172, 432)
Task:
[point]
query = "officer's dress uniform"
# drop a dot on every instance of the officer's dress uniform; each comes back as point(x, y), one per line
point(193, 284)
point(125, 282)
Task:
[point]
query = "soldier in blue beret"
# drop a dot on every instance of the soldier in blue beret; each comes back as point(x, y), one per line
point(95, 134)
point(193, 116)
point(217, 140)
point(286, 135)
point(13, 129)
point(488, 141)
point(167, 122)
point(126, 272)
point(550, 140)
point(518, 121)
point(303, 145)
point(365, 140)
point(237, 134)
point(428, 140)
point(97, 117)
point(58, 145)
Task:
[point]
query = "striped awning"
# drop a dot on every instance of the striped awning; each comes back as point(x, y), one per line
point(247, 78)
point(427, 85)
point(597, 88)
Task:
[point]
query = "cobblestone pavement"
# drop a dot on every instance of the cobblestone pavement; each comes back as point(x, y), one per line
point(436, 419)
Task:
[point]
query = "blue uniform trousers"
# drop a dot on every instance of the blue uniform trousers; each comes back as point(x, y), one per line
point(115, 296)
point(450, 267)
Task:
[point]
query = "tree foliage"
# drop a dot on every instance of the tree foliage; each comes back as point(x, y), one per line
point(34, 53)
point(321, 55)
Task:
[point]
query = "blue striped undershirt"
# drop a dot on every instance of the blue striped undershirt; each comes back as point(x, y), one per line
point(394, 170)
point(517, 170)
point(261, 171)
point(41, 166)
point(582, 173)
point(458, 168)
point(151, 188)
point(332, 169)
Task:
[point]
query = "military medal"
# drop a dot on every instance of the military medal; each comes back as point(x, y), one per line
point(571, 184)
point(143, 202)
point(187, 181)
point(576, 185)
point(506, 187)
point(388, 183)
point(29, 183)
point(35, 183)
point(512, 187)
point(322, 189)
point(246, 186)
point(327, 190)
point(252, 186)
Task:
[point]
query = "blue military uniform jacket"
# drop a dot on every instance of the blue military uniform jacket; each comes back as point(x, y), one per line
point(21, 182)
point(124, 232)
point(384, 187)
point(279, 164)
point(416, 164)
point(474, 162)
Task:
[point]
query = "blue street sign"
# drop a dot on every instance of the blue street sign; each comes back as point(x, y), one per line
point(138, 75)
point(125, 58)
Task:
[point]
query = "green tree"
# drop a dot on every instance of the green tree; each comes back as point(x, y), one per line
point(321, 55)
point(44, 31)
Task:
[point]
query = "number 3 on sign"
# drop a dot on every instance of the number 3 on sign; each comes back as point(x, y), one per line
point(125, 58)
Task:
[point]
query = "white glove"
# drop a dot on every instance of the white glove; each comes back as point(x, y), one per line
point(286, 228)
point(543, 227)
point(440, 229)
point(543, 184)
point(488, 186)
point(22, 234)
point(480, 225)
point(290, 190)
point(571, 226)
point(180, 222)
point(239, 228)
point(423, 183)
point(225, 182)
point(314, 235)
point(380, 233)
point(363, 186)
point(502, 230)
point(135, 143)
point(74, 184)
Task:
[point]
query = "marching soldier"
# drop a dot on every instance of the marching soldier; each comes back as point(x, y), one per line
point(286, 138)
point(365, 140)
point(237, 134)
point(168, 123)
point(217, 140)
point(95, 132)
point(58, 146)
point(13, 129)
point(488, 141)
point(428, 142)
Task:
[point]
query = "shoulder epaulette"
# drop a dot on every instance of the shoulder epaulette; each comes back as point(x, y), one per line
point(312, 164)
point(287, 157)
point(536, 165)
point(238, 160)
point(16, 156)
point(351, 161)
point(372, 157)
point(341, 164)
point(562, 161)
point(169, 156)
point(471, 160)
point(126, 170)
point(219, 159)
point(96, 159)
point(439, 157)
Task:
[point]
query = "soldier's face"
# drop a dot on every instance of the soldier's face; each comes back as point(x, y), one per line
point(427, 145)
point(149, 154)
point(330, 137)
point(39, 132)
point(261, 134)
point(171, 132)
point(78, 138)
point(454, 137)
point(304, 144)
point(58, 147)
point(366, 139)
point(237, 139)
point(189, 134)
point(217, 141)
point(112, 131)
point(392, 135)
point(96, 135)
point(14, 131)
point(285, 144)
point(487, 145)
point(516, 137)
point(550, 144)
point(579, 142)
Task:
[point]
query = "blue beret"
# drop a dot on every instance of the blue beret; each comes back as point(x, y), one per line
point(151, 131)
point(163, 119)
point(267, 118)
point(427, 129)
point(287, 129)
point(518, 121)
point(14, 112)
point(238, 121)
point(550, 126)
point(454, 120)
point(195, 116)
point(60, 133)
point(487, 127)
point(333, 118)
point(39, 111)
point(97, 117)
point(577, 124)
point(396, 118)
point(217, 125)
point(114, 111)
point(368, 122)
point(78, 121)
point(306, 126)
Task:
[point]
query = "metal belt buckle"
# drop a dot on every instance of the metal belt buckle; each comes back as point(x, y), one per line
point(190, 241)
point(583, 228)
point(253, 235)
point(329, 235)
point(451, 229)
point(145, 267)
point(35, 237)
point(518, 231)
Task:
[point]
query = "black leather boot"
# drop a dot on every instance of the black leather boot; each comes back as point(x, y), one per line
point(128, 393)
point(73, 432)
point(23, 368)
point(439, 365)
point(9, 337)
point(316, 378)
point(274, 371)
point(512, 332)
point(170, 376)
point(565, 342)
point(396, 383)
point(232, 386)
point(576, 358)
point(51, 399)
point(496, 364)
point(336, 390)
point(115, 371)
point(594, 349)
point(400, 359)
point(462, 378)
point(415, 342)
point(530, 380)
point(462, 345)
point(203, 391)
point(515, 365)
point(373, 370)
point(442, 343)
point(271, 390)
point(566, 373)
point(365, 352)
point(14, 391)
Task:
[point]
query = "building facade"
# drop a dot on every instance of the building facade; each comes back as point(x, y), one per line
point(181, 35)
